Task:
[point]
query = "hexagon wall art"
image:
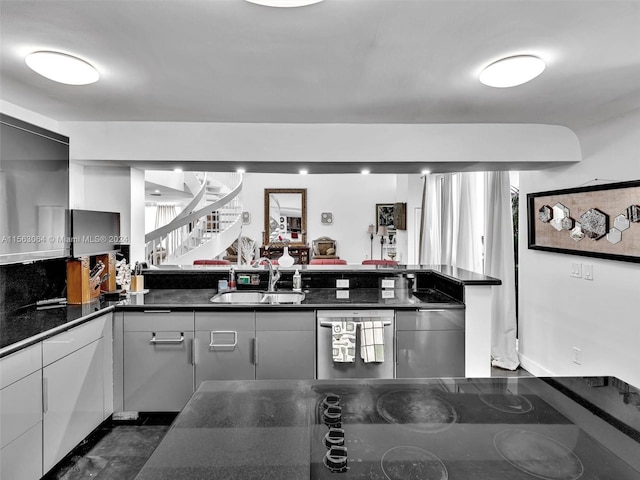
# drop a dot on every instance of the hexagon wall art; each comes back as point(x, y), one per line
point(633, 213)
point(607, 213)
point(594, 223)
point(621, 223)
point(545, 214)
point(614, 235)
point(576, 233)
point(561, 220)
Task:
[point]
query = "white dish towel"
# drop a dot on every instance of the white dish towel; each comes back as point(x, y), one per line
point(372, 341)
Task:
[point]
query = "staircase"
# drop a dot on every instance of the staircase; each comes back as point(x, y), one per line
point(205, 227)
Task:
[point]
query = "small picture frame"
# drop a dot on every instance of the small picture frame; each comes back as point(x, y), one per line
point(384, 216)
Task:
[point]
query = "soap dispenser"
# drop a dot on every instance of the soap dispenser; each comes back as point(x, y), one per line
point(297, 281)
point(232, 279)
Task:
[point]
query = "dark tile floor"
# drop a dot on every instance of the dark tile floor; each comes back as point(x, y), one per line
point(114, 451)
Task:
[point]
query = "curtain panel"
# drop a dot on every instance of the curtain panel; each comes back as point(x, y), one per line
point(467, 223)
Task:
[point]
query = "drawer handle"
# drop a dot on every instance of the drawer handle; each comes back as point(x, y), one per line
point(229, 345)
point(166, 340)
point(431, 310)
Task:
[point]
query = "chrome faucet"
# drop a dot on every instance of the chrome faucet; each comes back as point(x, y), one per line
point(274, 274)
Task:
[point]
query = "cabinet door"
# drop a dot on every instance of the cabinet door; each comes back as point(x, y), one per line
point(21, 424)
point(285, 345)
point(72, 400)
point(157, 361)
point(22, 458)
point(158, 371)
point(430, 353)
point(224, 346)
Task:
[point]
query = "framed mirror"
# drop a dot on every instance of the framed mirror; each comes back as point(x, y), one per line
point(285, 216)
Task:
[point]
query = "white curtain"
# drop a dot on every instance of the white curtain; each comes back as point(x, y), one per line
point(500, 263)
point(459, 211)
point(164, 214)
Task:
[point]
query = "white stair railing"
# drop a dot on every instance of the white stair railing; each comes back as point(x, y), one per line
point(204, 228)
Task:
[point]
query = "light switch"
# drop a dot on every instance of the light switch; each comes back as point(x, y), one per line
point(576, 270)
point(588, 272)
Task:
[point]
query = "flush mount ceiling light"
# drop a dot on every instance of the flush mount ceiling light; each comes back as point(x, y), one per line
point(512, 71)
point(62, 68)
point(284, 3)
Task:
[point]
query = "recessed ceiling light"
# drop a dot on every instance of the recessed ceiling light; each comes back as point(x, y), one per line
point(512, 71)
point(304, 171)
point(177, 170)
point(284, 3)
point(62, 68)
point(240, 170)
point(425, 172)
point(365, 171)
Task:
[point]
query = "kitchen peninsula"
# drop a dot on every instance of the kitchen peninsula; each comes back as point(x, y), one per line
point(465, 429)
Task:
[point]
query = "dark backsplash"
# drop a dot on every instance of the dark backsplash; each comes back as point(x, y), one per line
point(24, 284)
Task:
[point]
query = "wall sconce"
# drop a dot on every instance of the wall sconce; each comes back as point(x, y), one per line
point(371, 232)
point(382, 231)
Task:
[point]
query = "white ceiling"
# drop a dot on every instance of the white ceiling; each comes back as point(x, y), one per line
point(339, 61)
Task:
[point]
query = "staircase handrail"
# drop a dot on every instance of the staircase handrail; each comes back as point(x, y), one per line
point(176, 223)
point(195, 201)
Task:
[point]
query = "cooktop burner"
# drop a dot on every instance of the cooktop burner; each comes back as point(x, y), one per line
point(420, 411)
point(507, 403)
point(538, 455)
point(412, 463)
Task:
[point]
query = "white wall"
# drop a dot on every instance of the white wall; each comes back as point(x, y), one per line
point(600, 317)
point(351, 198)
point(117, 189)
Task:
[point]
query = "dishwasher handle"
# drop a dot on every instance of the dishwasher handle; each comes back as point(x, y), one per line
point(329, 323)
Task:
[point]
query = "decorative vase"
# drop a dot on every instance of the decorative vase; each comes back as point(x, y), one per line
point(285, 260)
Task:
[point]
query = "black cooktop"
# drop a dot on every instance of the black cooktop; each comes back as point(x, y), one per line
point(429, 432)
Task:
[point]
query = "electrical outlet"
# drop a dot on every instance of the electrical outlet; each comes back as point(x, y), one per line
point(576, 270)
point(577, 356)
point(588, 272)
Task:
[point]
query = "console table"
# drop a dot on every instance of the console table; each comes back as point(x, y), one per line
point(299, 253)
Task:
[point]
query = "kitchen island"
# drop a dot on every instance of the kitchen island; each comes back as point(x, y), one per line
point(515, 429)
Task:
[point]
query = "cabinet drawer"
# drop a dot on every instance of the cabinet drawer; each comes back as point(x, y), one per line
point(20, 407)
point(436, 319)
point(22, 458)
point(20, 364)
point(68, 342)
point(237, 321)
point(288, 321)
point(158, 321)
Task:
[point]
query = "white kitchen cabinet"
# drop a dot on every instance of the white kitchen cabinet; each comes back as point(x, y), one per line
point(224, 346)
point(158, 371)
point(21, 414)
point(73, 388)
point(285, 345)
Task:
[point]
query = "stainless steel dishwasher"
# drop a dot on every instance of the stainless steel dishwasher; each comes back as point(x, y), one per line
point(328, 369)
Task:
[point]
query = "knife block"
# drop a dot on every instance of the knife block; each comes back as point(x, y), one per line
point(109, 261)
point(78, 281)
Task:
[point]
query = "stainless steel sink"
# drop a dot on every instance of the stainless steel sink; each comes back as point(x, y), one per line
point(283, 297)
point(253, 297)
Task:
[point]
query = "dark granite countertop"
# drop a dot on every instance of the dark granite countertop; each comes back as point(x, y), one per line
point(22, 328)
point(189, 299)
point(27, 326)
point(475, 428)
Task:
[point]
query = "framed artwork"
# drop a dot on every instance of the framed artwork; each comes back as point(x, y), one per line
point(384, 216)
point(594, 221)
